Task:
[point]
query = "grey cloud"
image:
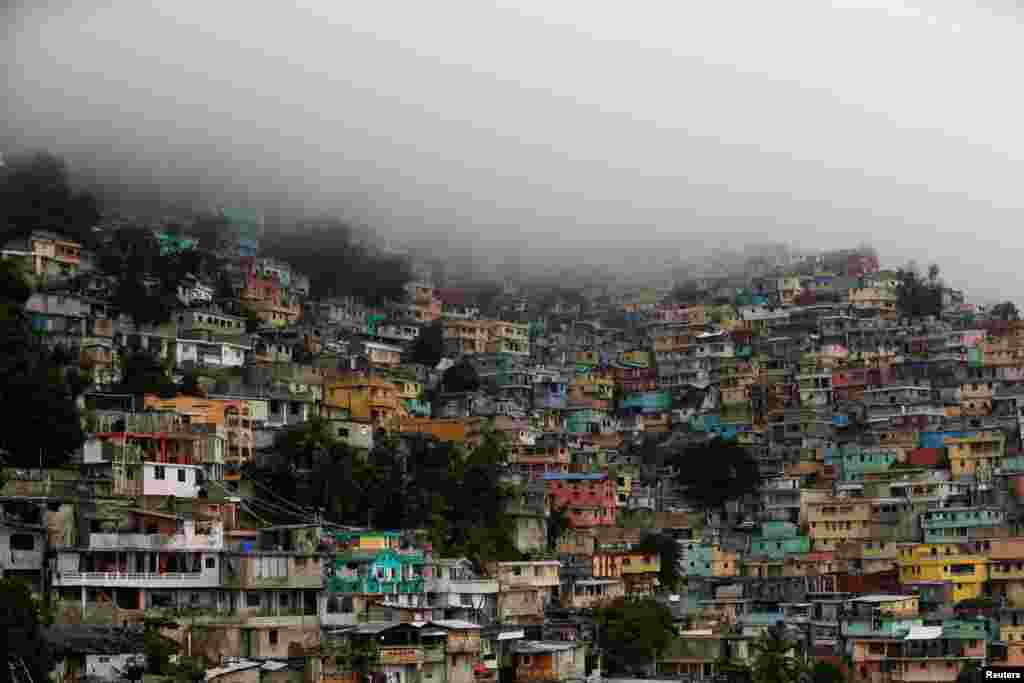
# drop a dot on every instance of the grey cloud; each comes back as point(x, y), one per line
point(583, 130)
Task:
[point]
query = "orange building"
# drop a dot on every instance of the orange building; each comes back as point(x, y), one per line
point(365, 397)
point(232, 416)
point(466, 431)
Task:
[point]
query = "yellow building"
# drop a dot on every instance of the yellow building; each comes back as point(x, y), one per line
point(789, 289)
point(383, 355)
point(425, 305)
point(925, 562)
point(881, 298)
point(47, 254)
point(408, 389)
point(639, 358)
point(638, 570)
point(976, 398)
point(592, 387)
point(507, 337)
point(365, 397)
point(835, 521)
point(983, 449)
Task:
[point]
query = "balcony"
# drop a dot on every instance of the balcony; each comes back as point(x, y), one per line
point(156, 542)
point(402, 655)
point(434, 654)
point(138, 579)
point(362, 585)
point(762, 618)
point(463, 586)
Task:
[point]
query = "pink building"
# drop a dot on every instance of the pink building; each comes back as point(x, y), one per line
point(859, 265)
point(590, 499)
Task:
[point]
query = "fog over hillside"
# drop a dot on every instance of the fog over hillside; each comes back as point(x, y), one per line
point(576, 133)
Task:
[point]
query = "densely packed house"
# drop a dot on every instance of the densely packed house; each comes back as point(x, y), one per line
point(884, 533)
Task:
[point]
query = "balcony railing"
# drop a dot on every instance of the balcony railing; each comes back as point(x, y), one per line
point(78, 578)
point(462, 586)
point(156, 541)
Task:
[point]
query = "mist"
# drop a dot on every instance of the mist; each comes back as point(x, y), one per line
point(579, 132)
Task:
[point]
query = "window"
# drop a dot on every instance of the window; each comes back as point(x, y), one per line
point(252, 599)
point(181, 476)
point(23, 542)
point(273, 636)
point(159, 473)
point(211, 563)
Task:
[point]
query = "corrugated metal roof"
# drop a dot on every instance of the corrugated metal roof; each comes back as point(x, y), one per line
point(924, 633)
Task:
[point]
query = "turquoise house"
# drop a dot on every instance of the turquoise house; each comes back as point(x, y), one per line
point(779, 540)
point(648, 402)
point(949, 525)
point(584, 421)
point(417, 407)
point(856, 462)
point(696, 559)
point(379, 572)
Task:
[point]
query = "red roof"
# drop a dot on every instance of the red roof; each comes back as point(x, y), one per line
point(453, 297)
point(926, 457)
point(820, 556)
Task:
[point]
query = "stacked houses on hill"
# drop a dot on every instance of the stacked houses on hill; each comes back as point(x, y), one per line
point(884, 535)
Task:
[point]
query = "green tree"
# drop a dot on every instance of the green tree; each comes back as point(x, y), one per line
point(633, 633)
point(970, 672)
point(157, 647)
point(307, 443)
point(916, 297)
point(774, 658)
point(36, 194)
point(716, 472)
point(22, 618)
point(429, 346)
point(667, 550)
point(337, 263)
point(191, 385)
point(486, 295)
point(460, 377)
point(144, 305)
point(142, 373)
point(686, 293)
point(557, 524)
point(826, 672)
point(253, 323)
point(1005, 311)
point(37, 388)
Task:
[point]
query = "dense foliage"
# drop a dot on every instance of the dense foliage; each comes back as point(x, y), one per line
point(1005, 311)
point(142, 373)
point(713, 473)
point(147, 281)
point(336, 264)
point(667, 550)
point(917, 297)
point(428, 349)
point(774, 658)
point(38, 387)
point(420, 483)
point(558, 523)
point(21, 619)
point(461, 377)
point(632, 633)
point(36, 194)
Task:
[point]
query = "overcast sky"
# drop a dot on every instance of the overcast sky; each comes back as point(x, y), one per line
point(577, 125)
